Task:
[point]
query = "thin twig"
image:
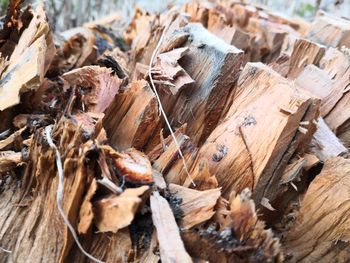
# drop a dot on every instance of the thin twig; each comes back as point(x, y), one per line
point(110, 185)
point(161, 106)
point(249, 154)
point(6, 250)
point(59, 195)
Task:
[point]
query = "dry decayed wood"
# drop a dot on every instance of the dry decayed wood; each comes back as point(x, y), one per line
point(134, 114)
point(325, 144)
point(28, 62)
point(321, 227)
point(171, 249)
point(233, 154)
point(265, 145)
point(329, 30)
point(201, 104)
point(197, 206)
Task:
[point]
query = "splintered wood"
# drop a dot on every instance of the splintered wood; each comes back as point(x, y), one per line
point(321, 228)
point(258, 104)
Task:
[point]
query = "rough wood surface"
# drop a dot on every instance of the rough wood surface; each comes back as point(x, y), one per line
point(132, 116)
point(304, 52)
point(28, 62)
point(320, 84)
point(330, 31)
point(170, 244)
point(233, 156)
point(200, 104)
point(90, 170)
point(337, 64)
point(321, 226)
point(98, 84)
point(325, 144)
point(197, 206)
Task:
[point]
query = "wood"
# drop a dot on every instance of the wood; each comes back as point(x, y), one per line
point(236, 37)
point(104, 86)
point(325, 144)
point(117, 212)
point(170, 244)
point(306, 241)
point(330, 31)
point(169, 163)
point(336, 63)
point(13, 138)
point(138, 103)
point(197, 206)
point(268, 40)
point(201, 104)
point(28, 62)
point(304, 53)
point(230, 150)
point(320, 84)
point(257, 172)
point(237, 221)
point(9, 160)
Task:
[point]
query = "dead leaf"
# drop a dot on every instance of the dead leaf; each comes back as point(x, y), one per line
point(116, 212)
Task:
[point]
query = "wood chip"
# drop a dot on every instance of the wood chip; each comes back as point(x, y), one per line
point(116, 212)
point(171, 246)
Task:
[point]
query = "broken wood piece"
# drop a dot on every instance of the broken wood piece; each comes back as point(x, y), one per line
point(169, 162)
point(320, 229)
point(201, 104)
point(28, 62)
point(293, 171)
point(324, 143)
point(320, 84)
point(86, 213)
point(241, 208)
point(170, 244)
point(330, 31)
point(197, 206)
point(198, 12)
point(77, 49)
point(134, 166)
point(10, 140)
point(116, 212)
point(28, 75)
point(132, 117)
point(164, 143)
point(269, 38)
point(233, 156)
point(337, 64)
point(168, 64)
point(98, 84)
point(238, 234)
point(232, 35)
point(9, 160)
point(304, 52)
point(201, 177)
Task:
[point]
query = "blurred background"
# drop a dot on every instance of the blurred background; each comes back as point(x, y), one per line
point(65, 14)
